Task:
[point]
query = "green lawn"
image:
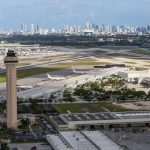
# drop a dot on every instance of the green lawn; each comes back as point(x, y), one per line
point(2, 77)
point(74, 108)
point(141, 51)
point(29, 72)
point(123, 55)
point(104, 57)
point(88, 107)
point(80, 63)
point(129, 62)
point(141, 69)
point(27, 59)
point(109, 107)
point(23, 64)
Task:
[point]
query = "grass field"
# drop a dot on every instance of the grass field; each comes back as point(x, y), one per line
point(147, 66)
point(123, 55)
point(28, 59)
point(88, 107)
point(141, 51)
point(141, 69)
point(2, 77)
point(23, 64)
point(129, 62)
point(29, 72)
point(80, 63)
point(104, 57)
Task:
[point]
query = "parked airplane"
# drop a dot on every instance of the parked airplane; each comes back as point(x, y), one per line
point(55, 78)
point(79, 72)
point(24, 87)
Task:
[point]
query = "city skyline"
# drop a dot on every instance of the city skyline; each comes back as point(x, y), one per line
point(87, 28)
point(55, 14)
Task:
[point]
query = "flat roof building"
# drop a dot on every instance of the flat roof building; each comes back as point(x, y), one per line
point(84, 140)
point(100, 120)
point(132, 75)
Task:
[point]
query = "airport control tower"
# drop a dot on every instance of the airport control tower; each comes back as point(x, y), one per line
point(10, 61)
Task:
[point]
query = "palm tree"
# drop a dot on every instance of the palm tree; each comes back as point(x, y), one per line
point(25, 123)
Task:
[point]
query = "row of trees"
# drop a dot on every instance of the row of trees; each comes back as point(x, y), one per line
point(67, 96)
point(122, 94)
point(117, 91)
point(24, 124)
point(74, 40)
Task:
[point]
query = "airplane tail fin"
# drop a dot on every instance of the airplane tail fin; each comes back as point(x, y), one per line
point(48, 75)
point(73, 70)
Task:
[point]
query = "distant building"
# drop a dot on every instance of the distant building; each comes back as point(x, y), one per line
point(88, 32)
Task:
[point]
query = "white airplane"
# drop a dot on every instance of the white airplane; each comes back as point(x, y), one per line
point(79, 72)
point(55, 78)
point(24, 87)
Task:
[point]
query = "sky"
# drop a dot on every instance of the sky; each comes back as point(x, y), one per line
point(57, 13)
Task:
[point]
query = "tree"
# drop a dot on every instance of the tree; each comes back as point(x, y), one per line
point(148, 96)
point(25, 123)
point(67, 96)
point(4, 146)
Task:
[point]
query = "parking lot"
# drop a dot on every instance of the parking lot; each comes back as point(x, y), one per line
point(131, 139)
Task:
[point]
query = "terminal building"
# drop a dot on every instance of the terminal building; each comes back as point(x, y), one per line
point(83, 140)
point(134, 76)
point(94, 121)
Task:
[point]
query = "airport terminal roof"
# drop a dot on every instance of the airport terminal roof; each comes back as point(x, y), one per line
point(90, 116)
point(78, 141)
point(84, 140)
point(133, 115)
point(102, 141)
point(104, 116)
point(58, 120)
point(58, 143)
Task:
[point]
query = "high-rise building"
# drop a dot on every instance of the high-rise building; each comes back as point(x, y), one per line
point(32, 28)
point(148, 27)
point(22, 27)
point(37, 28)
point(10, 61)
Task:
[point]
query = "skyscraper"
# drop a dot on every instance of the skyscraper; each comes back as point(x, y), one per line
point(32, 28)
point(22, 27)
point(10, 61)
